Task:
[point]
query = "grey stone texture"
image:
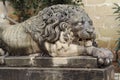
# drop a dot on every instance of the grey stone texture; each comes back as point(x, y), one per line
point(65, 62)
point(57, 68)
point(36, 73)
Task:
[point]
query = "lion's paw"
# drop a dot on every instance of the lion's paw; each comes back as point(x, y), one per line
point(104, 56)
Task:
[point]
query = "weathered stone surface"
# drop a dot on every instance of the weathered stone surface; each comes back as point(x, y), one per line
point(35, 73)
point(93, 2)
point(70, 62)
point(17, 61)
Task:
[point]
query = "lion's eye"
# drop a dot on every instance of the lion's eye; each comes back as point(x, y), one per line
point(90, 22)
point(82, 22)
point(77, 23)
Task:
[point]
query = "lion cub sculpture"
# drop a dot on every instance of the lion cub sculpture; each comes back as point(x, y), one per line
point(59, 30)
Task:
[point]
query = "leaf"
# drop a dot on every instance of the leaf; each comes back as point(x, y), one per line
point(117, 11)
point(117, 18)
point(15, 13)
point(116, 4)
point(114, 8)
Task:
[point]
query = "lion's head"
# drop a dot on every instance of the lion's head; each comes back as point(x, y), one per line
point(52, 20)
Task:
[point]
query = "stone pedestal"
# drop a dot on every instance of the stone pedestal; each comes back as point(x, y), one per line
point(59, 68)
point(48, 62)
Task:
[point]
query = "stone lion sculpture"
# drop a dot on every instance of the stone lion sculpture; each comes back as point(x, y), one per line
point(59, 30)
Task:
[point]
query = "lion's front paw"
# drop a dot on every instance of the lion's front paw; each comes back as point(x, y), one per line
point(104, 56)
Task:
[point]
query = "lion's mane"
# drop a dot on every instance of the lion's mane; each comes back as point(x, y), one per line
point(49, 22)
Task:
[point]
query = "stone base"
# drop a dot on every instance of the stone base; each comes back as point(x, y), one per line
point(35, 73)
point(53, 68)
point(51, 62)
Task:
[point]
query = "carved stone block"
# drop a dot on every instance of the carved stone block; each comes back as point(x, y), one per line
point(69, 62)
point(17, 61)
point(36, 73)
point(66, 62)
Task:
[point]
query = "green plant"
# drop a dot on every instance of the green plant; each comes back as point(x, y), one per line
point(28, 8)
point(117, 13)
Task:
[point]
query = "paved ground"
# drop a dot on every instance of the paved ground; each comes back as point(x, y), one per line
point(117, 76)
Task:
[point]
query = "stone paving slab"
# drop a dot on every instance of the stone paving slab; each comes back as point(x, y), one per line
point(117, 76)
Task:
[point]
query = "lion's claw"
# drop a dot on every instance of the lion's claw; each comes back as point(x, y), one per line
point(104, 56)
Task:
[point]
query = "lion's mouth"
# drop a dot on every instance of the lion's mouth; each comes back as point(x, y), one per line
point(86, 42)
point(85, 37)
point(88, 39)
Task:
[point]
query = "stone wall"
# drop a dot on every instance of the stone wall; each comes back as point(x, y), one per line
point(106, 26)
